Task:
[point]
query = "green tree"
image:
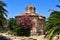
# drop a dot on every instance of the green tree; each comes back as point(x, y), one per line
point(12, 23)
point(3, 13)
point(58, 5)
point(53, 25)
point(12, 26)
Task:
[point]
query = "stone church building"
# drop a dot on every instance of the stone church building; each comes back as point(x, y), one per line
point(39, 20)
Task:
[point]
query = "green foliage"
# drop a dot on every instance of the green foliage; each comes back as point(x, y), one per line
point(12, 23)
point(53, 24)
point(25, 25)
point(3, 13)
point(12, 26)
point(58, 5)
point(23, 32)
point(18, 29)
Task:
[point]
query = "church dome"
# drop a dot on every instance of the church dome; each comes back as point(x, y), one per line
point(30, 6)
point(30, 9)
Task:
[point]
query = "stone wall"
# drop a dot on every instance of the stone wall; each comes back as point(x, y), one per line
point(38, 27)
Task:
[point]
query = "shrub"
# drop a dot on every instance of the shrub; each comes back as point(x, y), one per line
point(25, 25)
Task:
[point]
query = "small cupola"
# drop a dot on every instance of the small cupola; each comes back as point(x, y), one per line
point(30, 9)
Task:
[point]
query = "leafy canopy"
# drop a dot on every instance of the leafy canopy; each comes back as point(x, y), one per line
point(53, 24)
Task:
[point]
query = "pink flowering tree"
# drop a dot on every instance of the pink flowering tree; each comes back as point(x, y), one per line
point(25, 25)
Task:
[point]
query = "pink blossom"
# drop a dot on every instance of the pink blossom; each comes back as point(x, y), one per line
point(25, 21)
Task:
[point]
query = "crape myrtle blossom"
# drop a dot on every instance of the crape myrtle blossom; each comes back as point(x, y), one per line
point(25, 21)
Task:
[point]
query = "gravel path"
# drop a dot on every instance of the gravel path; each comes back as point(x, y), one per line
point(21, 38)
point(41, 37)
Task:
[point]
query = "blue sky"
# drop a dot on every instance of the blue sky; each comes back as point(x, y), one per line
point(16, 7)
